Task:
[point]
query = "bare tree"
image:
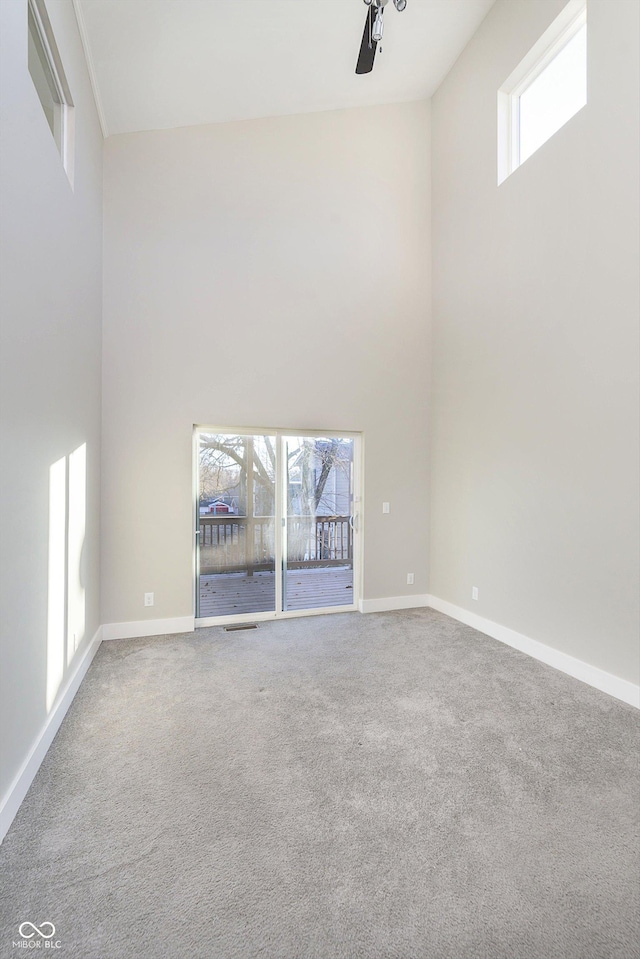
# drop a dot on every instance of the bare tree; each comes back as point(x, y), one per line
point(231, 463)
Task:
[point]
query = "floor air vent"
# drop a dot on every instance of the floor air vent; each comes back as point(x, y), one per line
point(234, 629)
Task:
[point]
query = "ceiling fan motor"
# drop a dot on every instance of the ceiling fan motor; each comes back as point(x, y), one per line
point(373, 31)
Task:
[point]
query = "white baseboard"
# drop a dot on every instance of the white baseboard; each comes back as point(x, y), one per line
point(20, 785)
point(148, 627)
point(606, 682)
point(387, 603)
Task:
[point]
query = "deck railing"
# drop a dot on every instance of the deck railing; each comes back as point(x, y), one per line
point(246, 543)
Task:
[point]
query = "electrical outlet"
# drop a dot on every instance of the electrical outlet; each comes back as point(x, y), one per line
point(385, 507)
point(474, 592)
point(148, 599)
point(409, 579)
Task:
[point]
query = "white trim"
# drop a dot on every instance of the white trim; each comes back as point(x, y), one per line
point(148, 627)
point(84, 39)
point(386, 603)
point(273, 430)
point(271, 616)
point(281, 530)
point(43, 27)
point(50, 47)
point(568, 22)
point(20, 786)
point(357, 511)
point(606, 682)
point(195, 523)
point(555, 38)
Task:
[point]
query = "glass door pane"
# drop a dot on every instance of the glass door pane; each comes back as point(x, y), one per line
point(236, 524)
point(318, 552)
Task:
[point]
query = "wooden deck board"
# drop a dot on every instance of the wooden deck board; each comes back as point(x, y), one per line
point(228, 594)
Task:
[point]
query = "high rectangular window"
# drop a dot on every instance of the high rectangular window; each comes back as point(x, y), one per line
point(45, 67)
point(545, 90)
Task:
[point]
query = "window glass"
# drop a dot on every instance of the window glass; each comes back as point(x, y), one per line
point(556, 94)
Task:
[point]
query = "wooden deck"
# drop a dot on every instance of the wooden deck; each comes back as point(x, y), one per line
point(228, 594)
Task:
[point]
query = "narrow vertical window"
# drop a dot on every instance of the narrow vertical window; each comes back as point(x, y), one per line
point(544, 91)
point(45, 67)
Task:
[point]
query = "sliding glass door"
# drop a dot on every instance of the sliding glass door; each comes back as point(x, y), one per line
point(276, 523)
point(235, 531)
point(318, 554)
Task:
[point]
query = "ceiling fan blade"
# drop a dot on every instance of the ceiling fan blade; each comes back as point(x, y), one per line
point(367, 47)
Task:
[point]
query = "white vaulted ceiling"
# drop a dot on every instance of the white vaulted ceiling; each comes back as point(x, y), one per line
point(168, 63)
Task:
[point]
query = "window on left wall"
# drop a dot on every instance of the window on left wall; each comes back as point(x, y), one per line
point(50, 82)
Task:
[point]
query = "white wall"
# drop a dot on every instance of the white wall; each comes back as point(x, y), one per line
point(271, 272)
point(535, 345)
point(50, 308)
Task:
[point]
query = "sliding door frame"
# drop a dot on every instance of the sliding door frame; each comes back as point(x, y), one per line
point(280, 517)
